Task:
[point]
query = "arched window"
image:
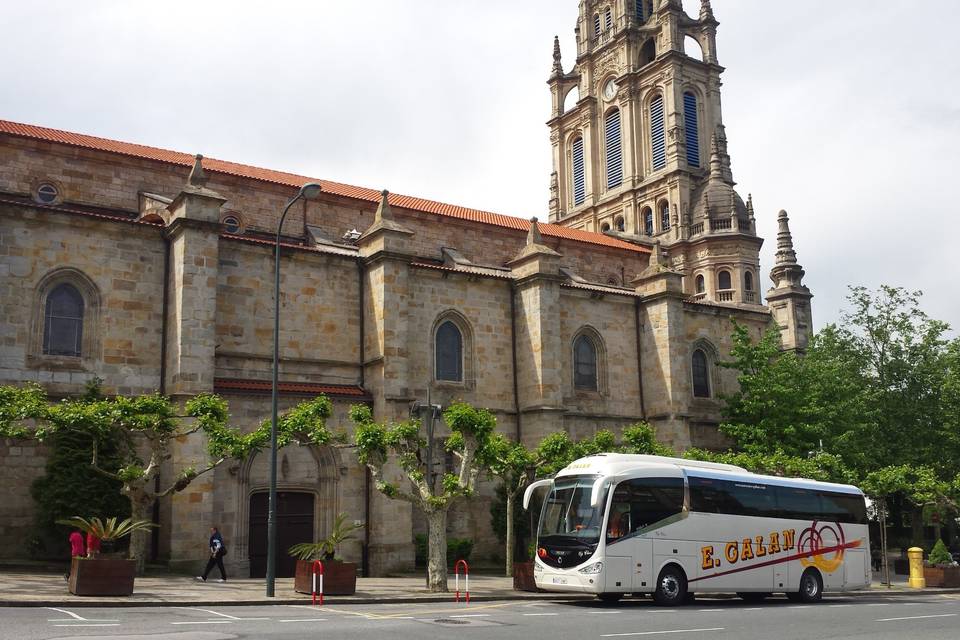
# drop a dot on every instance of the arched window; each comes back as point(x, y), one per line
point(449, 352)
point(63, 322)
point(664, 215)
point(614, 150)
point(658, 139)
point(723, 280)
point(605, 227)
point(579, 184)
point(692, 130)
point(701, 374)
point(648, 221)
point(596, 25)
point(620, 224)
point(748, 281)
point(701, 286)
point(571, 100)
point(648, 53)
point(585, 364)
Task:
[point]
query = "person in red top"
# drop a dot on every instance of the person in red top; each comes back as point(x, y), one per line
point(76, 548)
point(93, 545)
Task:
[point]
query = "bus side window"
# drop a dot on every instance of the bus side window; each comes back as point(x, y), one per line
point(642, 502)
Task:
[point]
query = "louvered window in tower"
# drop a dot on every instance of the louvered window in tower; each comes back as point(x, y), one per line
point(579, 185)
point(641, 15)
point(608, 20)
point(614, 150)
point(596, 25)
point(658, 138)
point(693, 132)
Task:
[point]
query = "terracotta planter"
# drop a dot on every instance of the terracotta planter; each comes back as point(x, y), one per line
point(942, 576)
point(523, 577)
point(102, 576)
point(339, 578)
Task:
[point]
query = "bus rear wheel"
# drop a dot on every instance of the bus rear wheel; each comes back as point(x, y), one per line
point(811, 587)
point(610, 597)
point(671, 587)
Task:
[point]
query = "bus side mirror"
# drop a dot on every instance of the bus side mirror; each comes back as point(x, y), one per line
point(533, 486)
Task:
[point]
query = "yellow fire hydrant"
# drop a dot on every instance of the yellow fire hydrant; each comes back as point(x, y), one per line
point(917, 581)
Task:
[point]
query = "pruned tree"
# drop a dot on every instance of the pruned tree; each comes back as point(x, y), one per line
point(145, 429)
point(514, 465)
point(380, 443)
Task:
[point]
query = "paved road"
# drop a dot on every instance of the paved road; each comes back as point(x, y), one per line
point(917, 617)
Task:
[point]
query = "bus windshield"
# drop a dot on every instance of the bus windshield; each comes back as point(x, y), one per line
point(568, 517)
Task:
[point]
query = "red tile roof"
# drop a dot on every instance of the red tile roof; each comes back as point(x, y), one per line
point(289, 179)
point(226, 385)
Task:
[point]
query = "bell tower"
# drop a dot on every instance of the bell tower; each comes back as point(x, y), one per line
point(639, 146)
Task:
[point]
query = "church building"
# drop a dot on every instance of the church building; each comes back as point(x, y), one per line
point(153, 270)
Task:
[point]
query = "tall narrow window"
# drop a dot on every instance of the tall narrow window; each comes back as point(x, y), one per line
point(723, 280)
point(701, 287)
point(620, 224)
point(596, 25)
point(701, 375)
point(614, 150)
point(693, 132)
point(648, 221)
point(449, 352)
point(63, 322)
point(641, 14)
point(579, 185)
point(658, 137)
point(664, 216)
point(584, 364)
point(748, 281)
point(608, 20)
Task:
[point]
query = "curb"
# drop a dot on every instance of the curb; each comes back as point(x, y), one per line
point(446, 598)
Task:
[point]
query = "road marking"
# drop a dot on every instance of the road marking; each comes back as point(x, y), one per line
point(69, 613)
point(709, 610)
point(653, 633)
point(752, 609)
point(306, 620)
point(540, 614)
point(74, 626)
point(205, 622)
point(663, 611)
point(222, 615)
point(839, 605)
point(606, 613)
point(939, 615)
point(879, 604)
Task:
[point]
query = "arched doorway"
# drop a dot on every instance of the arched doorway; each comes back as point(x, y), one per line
point(295, 517)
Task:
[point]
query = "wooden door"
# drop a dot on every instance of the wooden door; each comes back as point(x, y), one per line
point(295, 514)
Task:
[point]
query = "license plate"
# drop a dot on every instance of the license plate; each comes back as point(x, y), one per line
point(559, 581)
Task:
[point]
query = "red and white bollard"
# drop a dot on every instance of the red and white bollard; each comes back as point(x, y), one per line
point(317, 571)
point(466, 576)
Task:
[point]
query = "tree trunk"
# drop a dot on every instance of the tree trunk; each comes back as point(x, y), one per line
point(437, 551)
point(511, 543)
point(140, 509)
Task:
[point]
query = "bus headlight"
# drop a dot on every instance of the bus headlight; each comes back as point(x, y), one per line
point(537, 567)
point(596, 567)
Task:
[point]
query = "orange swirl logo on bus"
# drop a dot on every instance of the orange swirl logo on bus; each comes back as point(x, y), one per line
point(817, 542)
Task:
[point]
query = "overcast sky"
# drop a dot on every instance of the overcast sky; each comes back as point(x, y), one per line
point(847, 114)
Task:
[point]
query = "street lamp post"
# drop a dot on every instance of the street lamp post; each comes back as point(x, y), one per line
point(309, 191)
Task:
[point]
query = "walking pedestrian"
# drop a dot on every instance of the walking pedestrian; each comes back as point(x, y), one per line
point(217, 551)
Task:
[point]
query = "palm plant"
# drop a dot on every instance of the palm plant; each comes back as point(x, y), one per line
point(326, 549)
point(109, 529)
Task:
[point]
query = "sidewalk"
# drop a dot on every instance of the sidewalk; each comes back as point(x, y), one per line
point(30, 589)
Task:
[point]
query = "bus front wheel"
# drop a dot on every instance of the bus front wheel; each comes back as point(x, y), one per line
point(671, 587)
point(811, 587)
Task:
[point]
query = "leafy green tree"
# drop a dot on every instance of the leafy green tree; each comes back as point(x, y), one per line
point(144, 429)
point(380, 443)
point(513, 464)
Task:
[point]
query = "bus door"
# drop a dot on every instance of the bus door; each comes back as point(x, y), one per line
point(641, 511)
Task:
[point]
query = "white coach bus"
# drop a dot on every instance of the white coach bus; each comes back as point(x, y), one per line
point(614, 524)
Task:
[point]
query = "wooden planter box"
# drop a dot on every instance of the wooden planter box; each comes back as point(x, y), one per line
point(339, 578)
point(523, 577)
point(102, 576)
point(942, 576)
